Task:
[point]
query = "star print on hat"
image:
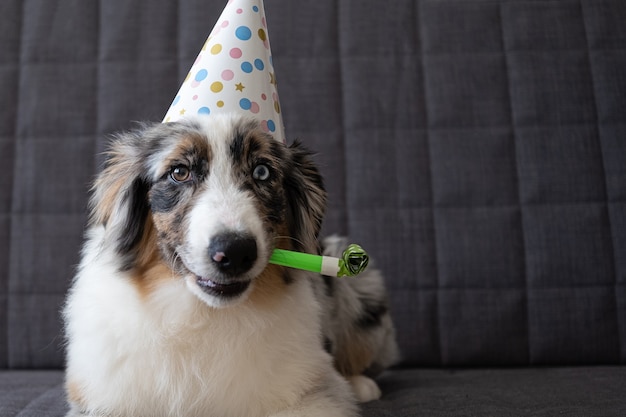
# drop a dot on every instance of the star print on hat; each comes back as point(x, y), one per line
point(234, 71)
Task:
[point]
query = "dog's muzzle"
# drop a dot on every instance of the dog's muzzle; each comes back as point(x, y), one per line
point(232, 254)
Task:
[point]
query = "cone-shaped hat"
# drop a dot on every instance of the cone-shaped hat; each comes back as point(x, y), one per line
point(234, 71)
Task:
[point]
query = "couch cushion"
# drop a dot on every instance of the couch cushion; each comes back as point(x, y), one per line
point(518, 392)
point(475, 148)
point(539, 392)
point(32, 394)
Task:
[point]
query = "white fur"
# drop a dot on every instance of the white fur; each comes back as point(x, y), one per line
point(171, 355)
point(364, 388)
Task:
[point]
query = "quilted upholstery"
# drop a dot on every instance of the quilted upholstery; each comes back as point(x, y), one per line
point(476, 149)
point(582, 392)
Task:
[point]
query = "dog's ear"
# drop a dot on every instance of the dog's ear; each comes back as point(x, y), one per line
point(119, 200)
point(306, 198)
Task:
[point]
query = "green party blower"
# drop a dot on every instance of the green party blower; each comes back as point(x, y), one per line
point(353, 261)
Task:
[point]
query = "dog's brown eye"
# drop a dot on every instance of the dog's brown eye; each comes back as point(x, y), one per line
point(180, 174)
point(261, 172)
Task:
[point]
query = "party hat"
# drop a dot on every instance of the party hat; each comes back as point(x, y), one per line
point(234, 71)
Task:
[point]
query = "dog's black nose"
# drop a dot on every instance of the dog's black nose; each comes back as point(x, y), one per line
point(233, 253)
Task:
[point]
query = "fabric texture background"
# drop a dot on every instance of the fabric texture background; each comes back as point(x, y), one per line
point(476, 149)
point(504, 392)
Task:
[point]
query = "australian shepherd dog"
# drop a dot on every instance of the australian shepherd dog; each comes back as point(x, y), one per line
point(175, 310)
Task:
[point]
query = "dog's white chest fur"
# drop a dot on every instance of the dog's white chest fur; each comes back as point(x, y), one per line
point(181, 357)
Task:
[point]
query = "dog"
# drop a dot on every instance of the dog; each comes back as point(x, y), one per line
point(175, 310)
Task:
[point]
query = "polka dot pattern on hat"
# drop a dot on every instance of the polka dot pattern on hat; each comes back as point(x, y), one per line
point(234, 71)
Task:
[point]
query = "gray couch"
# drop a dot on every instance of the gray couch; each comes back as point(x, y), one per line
point(477, 149)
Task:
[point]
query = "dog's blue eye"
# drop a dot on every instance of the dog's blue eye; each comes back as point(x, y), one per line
point(180, 174)
point(261, 172)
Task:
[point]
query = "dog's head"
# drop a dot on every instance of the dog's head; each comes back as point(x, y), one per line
point(210, 198)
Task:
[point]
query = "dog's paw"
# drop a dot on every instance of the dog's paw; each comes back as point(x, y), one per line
point(365, 389)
